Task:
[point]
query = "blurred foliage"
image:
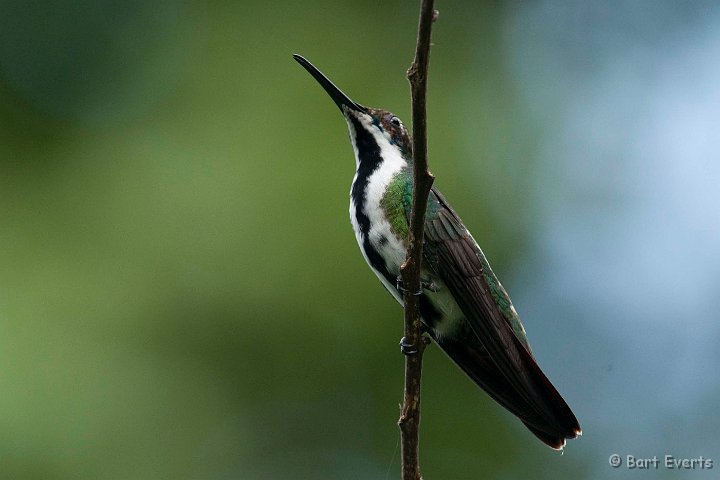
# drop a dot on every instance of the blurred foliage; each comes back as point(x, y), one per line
point(181, 295)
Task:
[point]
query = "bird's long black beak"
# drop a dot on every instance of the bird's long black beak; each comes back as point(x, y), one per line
point(340, 99)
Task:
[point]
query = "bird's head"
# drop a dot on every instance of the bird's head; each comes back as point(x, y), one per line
point(372, 130)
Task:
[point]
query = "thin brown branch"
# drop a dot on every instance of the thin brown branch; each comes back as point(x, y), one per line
point(409, 421)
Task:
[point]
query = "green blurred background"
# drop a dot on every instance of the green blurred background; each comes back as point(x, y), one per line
point(181, 295)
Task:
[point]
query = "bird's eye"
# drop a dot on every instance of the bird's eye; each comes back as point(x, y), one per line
point(395, 121)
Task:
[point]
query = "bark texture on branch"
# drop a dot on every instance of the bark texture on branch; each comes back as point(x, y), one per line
point(409, 421)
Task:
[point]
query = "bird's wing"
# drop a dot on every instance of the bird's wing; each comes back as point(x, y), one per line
point(511, 375)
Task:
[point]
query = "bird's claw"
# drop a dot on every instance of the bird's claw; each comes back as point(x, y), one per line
point(429, 285)
point(424, 285)
point(402, 289)
point(407, 348)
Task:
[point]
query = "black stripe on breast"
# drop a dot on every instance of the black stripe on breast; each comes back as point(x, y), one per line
point(369, 160)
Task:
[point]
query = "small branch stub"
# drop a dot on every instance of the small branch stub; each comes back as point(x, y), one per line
point(413, 341)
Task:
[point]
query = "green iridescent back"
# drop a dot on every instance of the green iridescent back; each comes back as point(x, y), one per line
point(397, 204)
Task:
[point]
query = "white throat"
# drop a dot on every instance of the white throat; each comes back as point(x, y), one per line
point(380, 234)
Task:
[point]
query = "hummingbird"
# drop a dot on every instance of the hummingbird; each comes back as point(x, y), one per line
point(464, 308)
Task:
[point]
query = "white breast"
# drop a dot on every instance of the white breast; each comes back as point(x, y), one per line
point(392, 249)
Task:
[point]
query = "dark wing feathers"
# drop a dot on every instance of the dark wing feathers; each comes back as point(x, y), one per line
point(496, 359)
point(476, 363)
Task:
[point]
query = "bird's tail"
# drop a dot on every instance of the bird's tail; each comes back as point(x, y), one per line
point(546, 414)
